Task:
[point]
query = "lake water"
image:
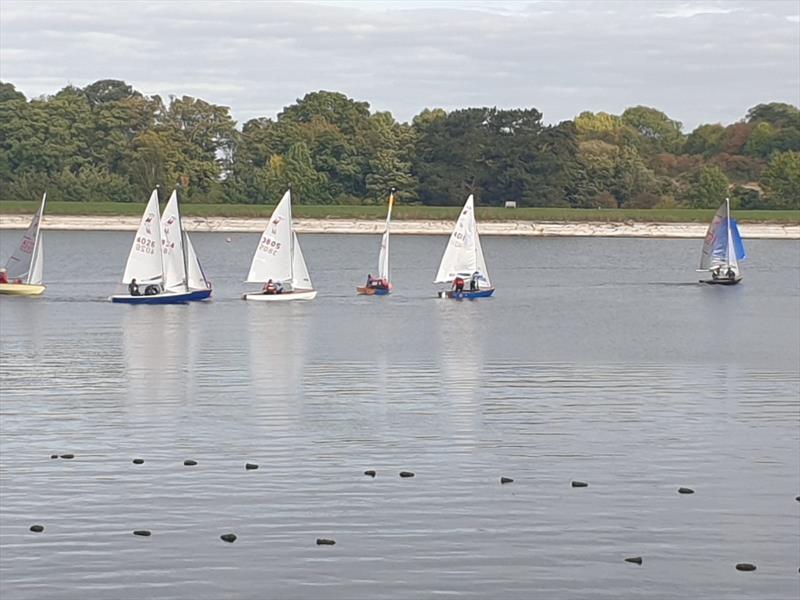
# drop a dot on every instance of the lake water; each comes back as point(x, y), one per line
point(598, 360)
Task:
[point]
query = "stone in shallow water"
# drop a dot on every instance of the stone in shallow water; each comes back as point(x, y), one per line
point(189, 462)
point(142, 532)
point(579, 484)
point(684, 490)
point(370, 473)
point(798, 498)
point(637, 560)
point(228, 537)
point(506, 480)
point(406, 474)
point(37, 528)
point(138, 461)
point(67, 456)
point(54, 456)
point(250, 466)
point(325, 542)
point(745, 567)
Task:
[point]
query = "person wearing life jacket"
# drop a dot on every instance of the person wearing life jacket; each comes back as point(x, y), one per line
point(458, 284)
point(3, 276)
point(133, 288)
point(270, 288)
point(370, 281)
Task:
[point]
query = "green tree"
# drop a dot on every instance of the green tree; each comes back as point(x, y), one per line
point(781, 181)
point(708, 188)
point(655, 127)
point(705, 139)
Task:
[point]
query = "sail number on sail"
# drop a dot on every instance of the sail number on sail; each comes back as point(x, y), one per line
point(145, 246)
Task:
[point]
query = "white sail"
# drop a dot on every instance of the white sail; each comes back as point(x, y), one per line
point(301, 280)
point(25, 263)
point(383, 256)
point(463, 255)
point(144, 261)
point(273, 257)
point(172, 246)
point(197, 279)
point(715, 246)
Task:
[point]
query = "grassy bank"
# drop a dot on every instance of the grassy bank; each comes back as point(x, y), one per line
point(420, 213)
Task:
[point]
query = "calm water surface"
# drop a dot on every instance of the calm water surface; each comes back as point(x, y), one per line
point(598, 360)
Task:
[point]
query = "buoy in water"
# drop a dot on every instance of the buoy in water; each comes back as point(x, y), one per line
point(54, 456)
point(190, 463)
point(228, 537)
point(228, 240)
point(637, 560)
point(67, 456)
point(325, 542)
point(406, 474)
point(506, 480)
point(142, 532)
point(250, 466)
point(684, 490)
point(579, 484)
point(138, 461)
point(745, 567)
point(370, 473)
point(37, 528)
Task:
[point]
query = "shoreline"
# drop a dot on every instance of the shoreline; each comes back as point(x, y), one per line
point(631, 229)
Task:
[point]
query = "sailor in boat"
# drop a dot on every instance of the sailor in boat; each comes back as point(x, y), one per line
point(730, 273)
point(133, 288)
point(270, 288)
point(458, 285)
point(3, 276)
point(474, 286)
point(715, 272)
point(370, 281)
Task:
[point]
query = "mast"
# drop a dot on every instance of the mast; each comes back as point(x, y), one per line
point(184, 255)
point(729, 240)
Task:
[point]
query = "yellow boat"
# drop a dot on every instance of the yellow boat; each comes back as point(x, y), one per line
point(23, 270)
point(21, 289)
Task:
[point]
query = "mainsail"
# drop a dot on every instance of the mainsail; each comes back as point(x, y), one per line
point(273, 257)
point(723, 246)
point(25, 263)
point(463, 255)
point(144, 261)
point(383, 256)
point(172, 246)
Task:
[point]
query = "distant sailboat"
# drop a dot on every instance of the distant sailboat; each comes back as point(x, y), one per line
point(162, 262)
point(722, 249)
point(278, 261)
point(24, 268)
point(382, 285)
point(463, 259)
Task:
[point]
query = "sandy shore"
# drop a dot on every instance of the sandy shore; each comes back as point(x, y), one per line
point(521, 228)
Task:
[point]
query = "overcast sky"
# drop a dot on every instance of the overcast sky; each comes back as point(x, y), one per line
point(701, 61)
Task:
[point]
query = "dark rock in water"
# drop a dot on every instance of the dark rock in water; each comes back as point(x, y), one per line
point(745, 567)
point(138, 461)
point(190, 463)
point(579, 484)
point(142, 532)
point(54, 456)
point(67, 456)
point(684, 490)
point(406, 474)
point(370, 472)
point(37, 528)
point(250, 466)
point(506, 480)
point(228, 537)
point(637, 560)
point(325, 542)
point(798, 498)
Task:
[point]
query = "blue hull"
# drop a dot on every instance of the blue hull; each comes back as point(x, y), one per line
point(192, 296)
point(467, 295)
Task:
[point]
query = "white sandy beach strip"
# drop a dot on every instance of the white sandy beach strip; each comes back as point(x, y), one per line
point(519, 228)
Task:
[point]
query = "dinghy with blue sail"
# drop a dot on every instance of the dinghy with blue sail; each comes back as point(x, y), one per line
point(463, 264)
point(382, 285)
point(162, 266)
point(722, 249)
point(22, 275)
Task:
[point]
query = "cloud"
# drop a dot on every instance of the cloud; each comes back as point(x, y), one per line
point(699, 61)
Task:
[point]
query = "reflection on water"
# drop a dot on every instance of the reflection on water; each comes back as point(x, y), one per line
point(636, 388)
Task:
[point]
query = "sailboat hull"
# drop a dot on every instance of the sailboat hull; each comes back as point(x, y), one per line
point(21, 289)
point(371, 291)
point(466, 294)
point(283, 297)
point(722, 281)
point(165, 298)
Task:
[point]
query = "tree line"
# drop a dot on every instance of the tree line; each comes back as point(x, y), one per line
point(109, 142)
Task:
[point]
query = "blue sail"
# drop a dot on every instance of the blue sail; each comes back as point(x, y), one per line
point(738, 244)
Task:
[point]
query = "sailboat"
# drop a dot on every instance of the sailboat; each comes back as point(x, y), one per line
point(722, 249)
point(162, 262)
point(24, 268)
point(382, 285)
point(278, 261)
point(463, 258)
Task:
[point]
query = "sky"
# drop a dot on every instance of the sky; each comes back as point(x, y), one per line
point(700, 61)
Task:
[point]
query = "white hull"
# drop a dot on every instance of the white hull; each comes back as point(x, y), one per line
point(284, 297)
